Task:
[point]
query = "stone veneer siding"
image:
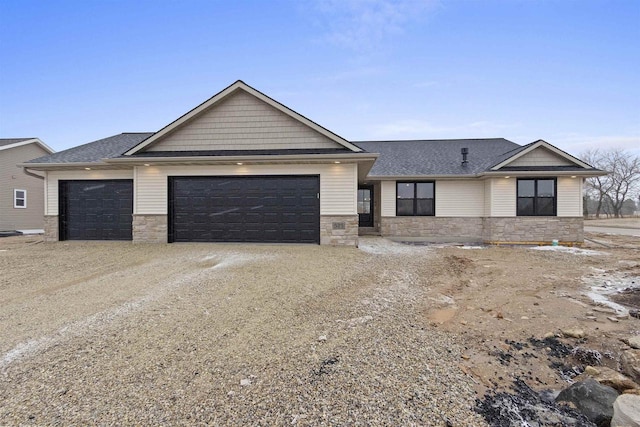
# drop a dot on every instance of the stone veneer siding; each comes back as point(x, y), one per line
point(490, 230)
point(432, 226)
point(150, 228)
point(534, 229)
point(332, 233)
point(51, 228)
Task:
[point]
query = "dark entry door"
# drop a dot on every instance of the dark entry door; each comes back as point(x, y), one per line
point(95, 209)
point(274, 209)
point(365, 206)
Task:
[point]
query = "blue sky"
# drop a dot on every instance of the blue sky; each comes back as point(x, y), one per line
point(564, 71)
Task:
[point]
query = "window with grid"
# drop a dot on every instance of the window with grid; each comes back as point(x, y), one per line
point(537, 197)
point(19, 198)
point(415, 199)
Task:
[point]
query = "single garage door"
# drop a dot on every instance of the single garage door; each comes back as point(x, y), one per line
point(274, 209)
point(95, 209)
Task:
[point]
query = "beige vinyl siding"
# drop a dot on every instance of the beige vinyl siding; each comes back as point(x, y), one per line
point(460, 198)
point(388, 198)
point(503, 197)
point(569, 197)
point(13, 178)
point(53, 177)
point(488, 192)
point(338, 183)
point(242, 122)
point(541, 157)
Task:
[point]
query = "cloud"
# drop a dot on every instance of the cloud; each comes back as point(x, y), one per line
point(362, 25)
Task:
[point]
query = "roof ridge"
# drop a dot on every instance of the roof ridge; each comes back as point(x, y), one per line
point(446, 139)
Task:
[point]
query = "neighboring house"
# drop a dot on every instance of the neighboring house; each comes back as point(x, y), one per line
point(242, 167)
point(21, 195)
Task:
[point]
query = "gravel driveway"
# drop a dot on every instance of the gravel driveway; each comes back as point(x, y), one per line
point(181, 334)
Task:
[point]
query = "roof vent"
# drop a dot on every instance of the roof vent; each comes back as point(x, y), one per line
point(464, 151)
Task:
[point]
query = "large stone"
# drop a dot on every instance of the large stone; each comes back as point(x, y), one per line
point(609, 377)
point(630, 364)
point(626, 411)
point(634, 342)
point(592, 399)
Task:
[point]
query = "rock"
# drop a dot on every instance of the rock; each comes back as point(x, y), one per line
point(245, 382)
point(592, 399)
point(634, 342)
point(630, 364)
point(590, 370)
point(573, 333)
point(634, 313)
point(609, 377)
point(524, 318)
point(626, 411)
point(549, 335)
point(613, 319)
point(322, 338)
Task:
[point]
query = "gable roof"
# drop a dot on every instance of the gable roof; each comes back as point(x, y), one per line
point(512, 156)
point(9, 143)
point(434, 157)
point(95, 151)
point(223, 94)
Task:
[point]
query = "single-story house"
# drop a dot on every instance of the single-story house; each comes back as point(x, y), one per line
point(241, 167)
point(21, 194)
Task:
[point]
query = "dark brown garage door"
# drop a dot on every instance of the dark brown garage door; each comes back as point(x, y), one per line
point(95, 209)
point(274, 209)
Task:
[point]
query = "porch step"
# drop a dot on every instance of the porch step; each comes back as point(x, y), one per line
point(368, 231)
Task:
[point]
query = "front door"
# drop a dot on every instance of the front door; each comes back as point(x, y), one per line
point(365, 206)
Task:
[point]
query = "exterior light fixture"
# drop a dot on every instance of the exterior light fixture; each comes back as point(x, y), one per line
point(147, 164)
point(573, 176)
point(507, 177)
point(239, 163)
point(87, 169)
point(336, 162)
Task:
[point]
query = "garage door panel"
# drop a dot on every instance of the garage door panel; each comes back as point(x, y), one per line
point(95, 209)
point(245, 209)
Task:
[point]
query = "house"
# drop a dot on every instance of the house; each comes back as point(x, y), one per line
point(21, 195)
point(241, 167)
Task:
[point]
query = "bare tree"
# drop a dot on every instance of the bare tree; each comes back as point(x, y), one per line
point(622, 182)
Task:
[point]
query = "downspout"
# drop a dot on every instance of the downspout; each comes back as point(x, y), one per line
point(34, 175)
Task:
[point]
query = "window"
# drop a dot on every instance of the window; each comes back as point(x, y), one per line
point(19, 198)
point(415, 199)
point(537, 197)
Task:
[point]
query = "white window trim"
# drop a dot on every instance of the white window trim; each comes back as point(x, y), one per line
point(16, 198)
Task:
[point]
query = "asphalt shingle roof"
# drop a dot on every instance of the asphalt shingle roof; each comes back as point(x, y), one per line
point(106, 148)
point(437, 157)
point(9, 141)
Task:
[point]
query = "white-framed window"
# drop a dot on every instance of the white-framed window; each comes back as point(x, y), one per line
point(19, 199)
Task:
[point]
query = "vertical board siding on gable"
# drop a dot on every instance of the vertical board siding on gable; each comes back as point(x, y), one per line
point(460, 198)
point(242, 122)
point(569, 196)
point(338, 184)
point(503, 197)
point(540, 157)
point(388, 198)
point(53, 177)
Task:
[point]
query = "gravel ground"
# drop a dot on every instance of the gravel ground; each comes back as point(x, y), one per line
point(115, 333)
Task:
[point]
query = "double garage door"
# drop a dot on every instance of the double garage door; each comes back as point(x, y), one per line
point(274, 209)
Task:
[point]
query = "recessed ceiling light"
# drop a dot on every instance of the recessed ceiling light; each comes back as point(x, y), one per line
point(147, 164)
point(87, 169)
point(239, 163)
point(336, 162)
point(573, 176)
point(507, 177)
